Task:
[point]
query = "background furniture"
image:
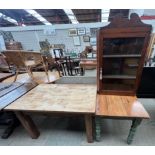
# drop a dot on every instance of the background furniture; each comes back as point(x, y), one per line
point(38, 77)
point(15, 61)
point(85, 63)
point(4, 67)
point(121, 53)
point(72, 66)
point(27, 60)
point(13, 45)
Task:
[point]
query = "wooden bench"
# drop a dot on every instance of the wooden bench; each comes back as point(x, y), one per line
point(119, 107)
point(38, 77)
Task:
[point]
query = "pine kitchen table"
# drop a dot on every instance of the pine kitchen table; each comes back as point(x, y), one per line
point(66, 99)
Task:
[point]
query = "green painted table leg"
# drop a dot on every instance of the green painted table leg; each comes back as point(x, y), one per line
point(98, 128)
point(133, 128)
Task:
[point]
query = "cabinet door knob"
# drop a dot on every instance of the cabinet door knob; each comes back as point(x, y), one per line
point(100, 73)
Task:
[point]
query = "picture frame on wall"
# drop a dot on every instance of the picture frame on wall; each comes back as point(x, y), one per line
point(81, 31)
point(93, 41)
point(86, 38)
point(72, 32)
point(76, 40)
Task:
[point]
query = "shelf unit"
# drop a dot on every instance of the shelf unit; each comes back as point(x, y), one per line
point(122, 56)
point(121, 50)
point(118, 77)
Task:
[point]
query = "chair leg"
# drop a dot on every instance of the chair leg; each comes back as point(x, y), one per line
point(46, 72)
point(29, 73)
point(17, 71)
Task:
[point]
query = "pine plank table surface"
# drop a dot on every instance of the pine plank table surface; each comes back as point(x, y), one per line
point(77, 99)
point(58, 98)
point(120, 106)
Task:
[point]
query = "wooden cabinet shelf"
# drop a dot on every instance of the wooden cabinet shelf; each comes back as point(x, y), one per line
point(122, 56)
point(119, 77)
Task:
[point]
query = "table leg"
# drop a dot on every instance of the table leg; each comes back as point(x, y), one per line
point(89, 128)
point(133, 128)
point(98, 128)
point(28, 124)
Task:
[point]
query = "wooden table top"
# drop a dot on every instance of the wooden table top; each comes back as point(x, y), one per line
point(71, 98)
point(120, 106)
point(5, 75)
point(88, 63)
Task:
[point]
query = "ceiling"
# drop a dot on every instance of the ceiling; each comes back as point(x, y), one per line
point(56, 16)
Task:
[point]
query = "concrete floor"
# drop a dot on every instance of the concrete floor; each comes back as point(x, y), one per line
point(70, 131)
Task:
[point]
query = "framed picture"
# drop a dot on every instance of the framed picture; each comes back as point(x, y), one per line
point(93, 32)
point(93, 41)
point(76, 41)
point(81, 31)
point(86, 38)
point(72, 32)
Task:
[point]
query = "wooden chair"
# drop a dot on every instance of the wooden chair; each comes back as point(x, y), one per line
point(14, 60)
point(33, 59)
point(27, 60)
point(4, 67)
point(72, 66)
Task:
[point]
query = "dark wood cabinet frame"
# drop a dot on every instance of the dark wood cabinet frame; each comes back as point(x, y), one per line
point(122, 28)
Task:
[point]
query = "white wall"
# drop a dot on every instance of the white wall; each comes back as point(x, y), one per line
point(62, 37)
point(30, 36)
point(28, 39)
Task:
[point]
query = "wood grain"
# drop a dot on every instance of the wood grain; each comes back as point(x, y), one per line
point(120, 106)
point(58, 98)
point(14, 94)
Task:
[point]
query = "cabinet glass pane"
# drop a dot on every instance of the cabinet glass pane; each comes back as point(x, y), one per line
point(120, 66)
point(123, 45)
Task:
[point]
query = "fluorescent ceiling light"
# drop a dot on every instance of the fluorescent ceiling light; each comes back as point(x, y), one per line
point(105, 15)
point(71, 16)
point(11, 20)
point(38, 16)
